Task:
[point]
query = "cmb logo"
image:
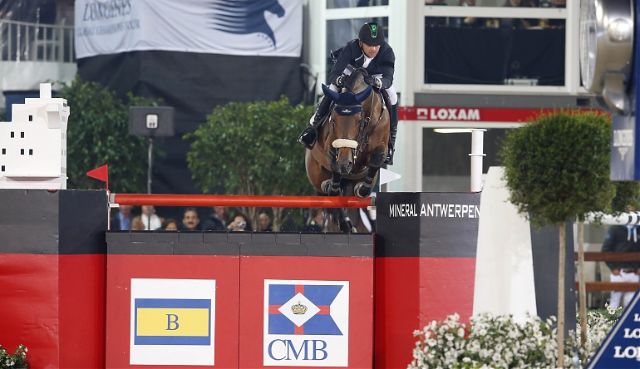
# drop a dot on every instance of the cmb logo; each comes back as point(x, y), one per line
point(306, 323)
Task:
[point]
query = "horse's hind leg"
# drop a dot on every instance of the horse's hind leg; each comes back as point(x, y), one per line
point(363, 189)
point(346, 224)
point(341, 221)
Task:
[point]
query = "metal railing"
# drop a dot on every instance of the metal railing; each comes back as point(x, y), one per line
point(615, 257)
point(24, 41)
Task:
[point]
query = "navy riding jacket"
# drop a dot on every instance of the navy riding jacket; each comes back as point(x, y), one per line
point(383, 63)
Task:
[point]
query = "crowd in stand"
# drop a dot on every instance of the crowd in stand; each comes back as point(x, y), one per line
point(129, 218)
point(502, 23)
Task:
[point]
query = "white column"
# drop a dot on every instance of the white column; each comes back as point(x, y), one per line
point(504, 282)
point(477, 141)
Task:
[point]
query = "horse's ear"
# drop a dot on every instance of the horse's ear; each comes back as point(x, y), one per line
point(330, 93)
point(362, 95)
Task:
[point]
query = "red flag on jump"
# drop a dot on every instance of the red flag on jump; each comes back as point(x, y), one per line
point(101, 174)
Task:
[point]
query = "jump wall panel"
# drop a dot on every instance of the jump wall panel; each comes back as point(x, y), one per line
point(241, 265)
point(52, 270)
point(425, 266)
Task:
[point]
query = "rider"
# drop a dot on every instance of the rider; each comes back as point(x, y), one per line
point(372, 52)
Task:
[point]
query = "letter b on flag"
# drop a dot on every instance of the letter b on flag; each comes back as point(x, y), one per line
point(172, 322)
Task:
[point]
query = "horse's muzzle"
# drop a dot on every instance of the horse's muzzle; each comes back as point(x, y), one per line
point(345, 167)
point(345, 160)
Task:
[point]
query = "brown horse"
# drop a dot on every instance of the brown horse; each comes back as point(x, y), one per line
point(352, 145)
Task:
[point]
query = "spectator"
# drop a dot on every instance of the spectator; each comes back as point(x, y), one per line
point(190, 220)
point(315, 224)
point(264, 222)
point(553, 3)
point(217, 221)
point(149, 218)
point(516, 23)
point(468, 21)
point(240, 223)
point(122, 220)
point(170, 225)
point(622, 239)
point(436, 21)
point(137, 224)
point(552, 23)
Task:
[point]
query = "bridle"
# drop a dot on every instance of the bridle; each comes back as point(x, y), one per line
point(358, 145)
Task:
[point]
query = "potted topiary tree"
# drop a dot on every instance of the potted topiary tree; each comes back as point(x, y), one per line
point(98, 133)
point(250, 149)
point(557, 170)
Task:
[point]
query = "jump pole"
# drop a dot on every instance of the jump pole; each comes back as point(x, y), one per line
point(242, 200)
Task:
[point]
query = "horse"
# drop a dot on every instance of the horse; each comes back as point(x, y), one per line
point(352, 144)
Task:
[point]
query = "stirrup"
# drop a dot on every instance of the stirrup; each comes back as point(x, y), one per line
point(389, 159)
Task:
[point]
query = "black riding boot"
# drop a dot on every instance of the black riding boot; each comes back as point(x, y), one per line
point(393, 130)
point(310, 134)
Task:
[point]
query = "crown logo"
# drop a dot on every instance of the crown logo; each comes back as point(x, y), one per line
point(298, 309)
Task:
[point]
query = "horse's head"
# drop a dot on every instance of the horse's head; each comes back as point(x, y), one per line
point(347, 118)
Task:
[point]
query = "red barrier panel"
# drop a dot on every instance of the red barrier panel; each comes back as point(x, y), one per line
point(425, 267)
point(269, 299)
point(29, 307)
point(243, 200)
point(277, 295)
point(172, 299)
point(52, 267)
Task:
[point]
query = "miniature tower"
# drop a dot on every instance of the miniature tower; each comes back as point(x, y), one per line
point(33, 147)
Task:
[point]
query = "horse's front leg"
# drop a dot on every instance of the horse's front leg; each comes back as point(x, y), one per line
point(332, 186)
point(363, 189)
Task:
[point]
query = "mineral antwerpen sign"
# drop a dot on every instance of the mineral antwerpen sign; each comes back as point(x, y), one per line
point(436, 210)
point(621, 348)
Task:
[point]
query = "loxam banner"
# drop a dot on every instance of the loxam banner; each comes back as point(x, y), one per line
point(239, 27)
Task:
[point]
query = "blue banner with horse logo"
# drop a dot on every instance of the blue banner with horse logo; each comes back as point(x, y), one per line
point(239, 27)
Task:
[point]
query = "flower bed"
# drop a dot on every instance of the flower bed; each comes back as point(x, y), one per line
point(490, 342)
point(17, 360)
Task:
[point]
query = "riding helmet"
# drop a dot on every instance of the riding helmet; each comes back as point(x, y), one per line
point(371, 34)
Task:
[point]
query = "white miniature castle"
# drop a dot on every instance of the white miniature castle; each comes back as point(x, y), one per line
point(33, 146)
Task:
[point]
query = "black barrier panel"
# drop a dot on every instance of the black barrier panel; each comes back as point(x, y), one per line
point(83, 221)
point(53, 222)
point(427, 224)
point(240, 243)
point(169, 243)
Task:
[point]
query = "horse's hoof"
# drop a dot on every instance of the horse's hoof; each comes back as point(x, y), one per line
point(361, 189)
point(327, 188)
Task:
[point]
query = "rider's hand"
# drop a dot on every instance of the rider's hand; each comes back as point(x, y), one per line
point(340, 81)
point(377, 82)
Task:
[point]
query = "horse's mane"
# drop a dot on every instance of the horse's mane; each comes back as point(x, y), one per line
point(356, 81)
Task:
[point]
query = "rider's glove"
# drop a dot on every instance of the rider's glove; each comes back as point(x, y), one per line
point(340, 81)
point(377, 82)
